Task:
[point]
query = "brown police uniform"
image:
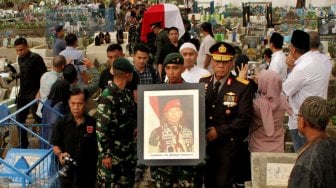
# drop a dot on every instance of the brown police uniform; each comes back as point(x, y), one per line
point(230, 114)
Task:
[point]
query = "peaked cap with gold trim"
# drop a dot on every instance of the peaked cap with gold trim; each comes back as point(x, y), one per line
point(222, 51)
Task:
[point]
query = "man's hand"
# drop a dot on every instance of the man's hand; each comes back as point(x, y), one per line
point(62, 156)
point(88, 63)
point(290, 61)
point(107, 162)
point(211, 134)
point(242, 71)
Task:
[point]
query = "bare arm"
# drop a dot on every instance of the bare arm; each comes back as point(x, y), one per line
point(207, 61)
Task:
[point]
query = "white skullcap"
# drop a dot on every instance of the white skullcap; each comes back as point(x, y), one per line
point(188, 45)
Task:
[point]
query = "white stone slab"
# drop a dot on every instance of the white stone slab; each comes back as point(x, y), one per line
point(271, 169)
point(278, 174)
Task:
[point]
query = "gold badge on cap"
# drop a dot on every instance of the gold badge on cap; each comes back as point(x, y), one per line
point(222, 49)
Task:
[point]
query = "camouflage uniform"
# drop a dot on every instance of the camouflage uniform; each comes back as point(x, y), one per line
point(169, 138)
point(116, 122)
point(132, 38)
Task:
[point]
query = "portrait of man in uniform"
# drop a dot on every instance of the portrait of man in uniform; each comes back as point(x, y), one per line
point(171, 124)
point(171, 135)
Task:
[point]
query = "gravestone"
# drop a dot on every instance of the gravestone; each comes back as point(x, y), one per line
point(271, 169)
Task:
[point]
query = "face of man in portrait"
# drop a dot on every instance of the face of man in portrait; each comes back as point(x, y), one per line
point(174, 115)
point(77, 105)
point(174, 72)
point(22, 50)
point(221, 68)
point(190, 57)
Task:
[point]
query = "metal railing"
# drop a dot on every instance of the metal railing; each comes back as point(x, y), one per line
point(28, 167)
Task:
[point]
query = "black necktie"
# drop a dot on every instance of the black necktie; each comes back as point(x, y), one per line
point(215, 89)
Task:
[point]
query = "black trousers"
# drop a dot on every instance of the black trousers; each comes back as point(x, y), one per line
point(21, 118)
point(228, 163)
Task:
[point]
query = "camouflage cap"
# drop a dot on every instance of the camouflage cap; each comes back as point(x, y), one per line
point(123, 64)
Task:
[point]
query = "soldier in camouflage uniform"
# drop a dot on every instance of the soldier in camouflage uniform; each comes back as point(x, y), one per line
point(173, 176)
point(133, 34)
point(116, 124)
point(171, 136)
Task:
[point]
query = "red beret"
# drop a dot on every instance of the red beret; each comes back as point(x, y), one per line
point(171, 104)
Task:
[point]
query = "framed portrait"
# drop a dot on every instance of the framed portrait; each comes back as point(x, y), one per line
point(171, 124)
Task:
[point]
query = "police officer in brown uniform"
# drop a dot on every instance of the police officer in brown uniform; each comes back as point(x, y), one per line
point(228, 116)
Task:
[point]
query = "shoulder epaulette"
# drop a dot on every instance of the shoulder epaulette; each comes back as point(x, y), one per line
point(243, 81)
point(206, 76)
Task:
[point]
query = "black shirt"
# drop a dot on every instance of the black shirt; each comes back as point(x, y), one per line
point(106, 76)
point(169, 48)
point(32, 68)
point(81, 143)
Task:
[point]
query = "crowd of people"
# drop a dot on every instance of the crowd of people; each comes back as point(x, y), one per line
point(242, 114)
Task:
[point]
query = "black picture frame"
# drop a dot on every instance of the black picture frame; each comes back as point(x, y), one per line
point(152, 103)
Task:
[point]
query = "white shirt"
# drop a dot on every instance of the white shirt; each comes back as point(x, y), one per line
point(46, 81)
point(70, 54)
point(278, 64)
point(194, 74)
point(309, 77)
point(207, 42)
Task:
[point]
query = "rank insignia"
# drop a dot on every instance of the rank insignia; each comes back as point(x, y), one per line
point(89, 129)
point(230, 99)
point(229, 81)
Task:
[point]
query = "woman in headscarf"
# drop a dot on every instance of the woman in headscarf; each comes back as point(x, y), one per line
point(270, 105)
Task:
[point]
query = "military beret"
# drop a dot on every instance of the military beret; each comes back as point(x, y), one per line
point(222, 51)
point(300, 40)
point(58, 28)
point(173, 58)
point(123, 64)
point(171, 104)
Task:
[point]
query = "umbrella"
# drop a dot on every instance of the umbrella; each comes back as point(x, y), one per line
point(168, 14)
